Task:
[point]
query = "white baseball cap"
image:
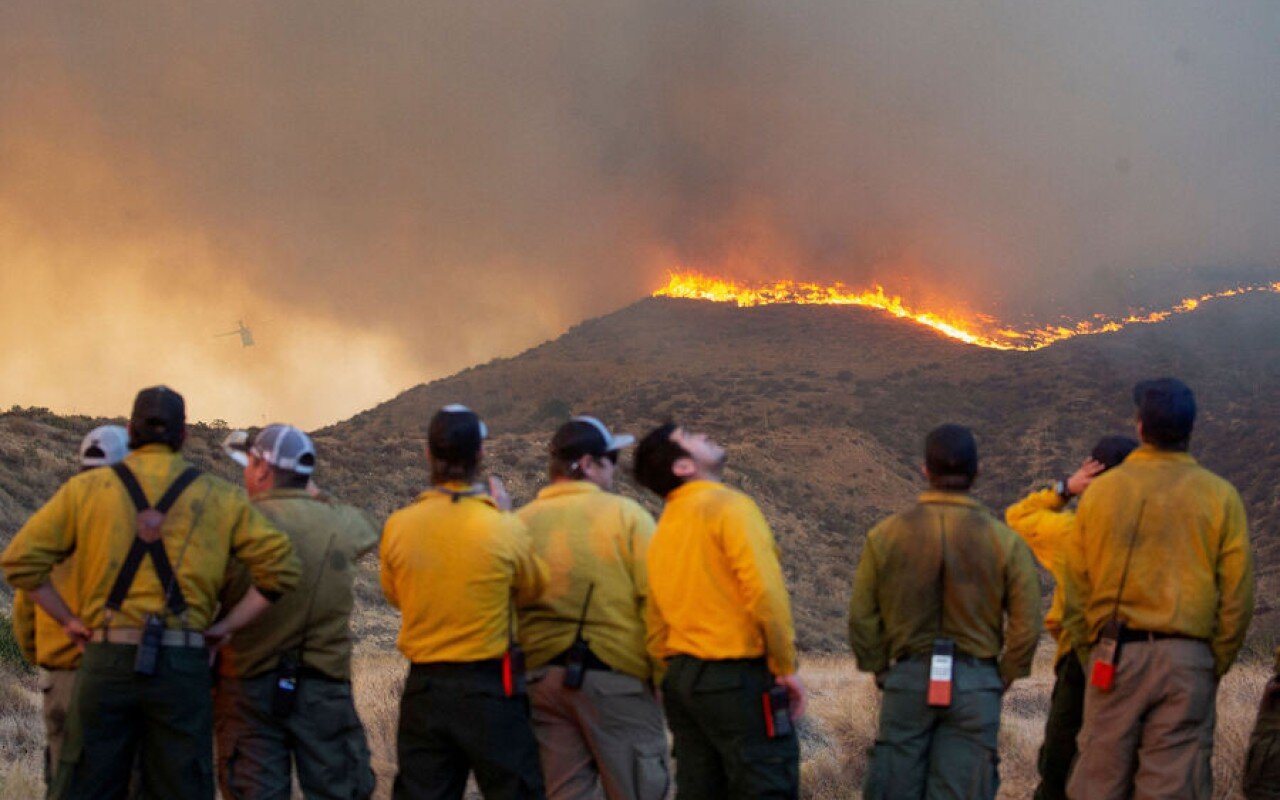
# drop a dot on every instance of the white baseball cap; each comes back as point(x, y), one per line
point(104, 446)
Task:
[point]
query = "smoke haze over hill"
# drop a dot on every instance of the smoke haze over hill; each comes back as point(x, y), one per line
point(391, 192)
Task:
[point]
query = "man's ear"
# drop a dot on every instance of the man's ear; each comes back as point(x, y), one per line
point(684, 467)
point(1137, 423)
point(924, 470)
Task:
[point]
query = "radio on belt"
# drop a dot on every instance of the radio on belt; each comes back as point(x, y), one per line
point(1106, 654)
point(941, 668)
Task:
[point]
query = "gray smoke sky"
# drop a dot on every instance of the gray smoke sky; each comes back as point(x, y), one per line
point(389, 192)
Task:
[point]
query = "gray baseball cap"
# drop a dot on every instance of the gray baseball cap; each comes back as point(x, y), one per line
point(282, 446)
point(104, 446)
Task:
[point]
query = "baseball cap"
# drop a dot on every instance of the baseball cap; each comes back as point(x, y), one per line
point(586, 436)
point(159, 415)
point(455, 433)
point(104, 446)
point(282, 446)
point(1167, 409)
point(1111, 450)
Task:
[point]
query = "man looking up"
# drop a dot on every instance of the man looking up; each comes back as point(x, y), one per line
point(146, 583)
point(1159, 581)
point(595, 714)
point(719, 615)
point(1043, 520)
point(946, 613)
point(455, 563)
point(283, 698)
point(40, 637)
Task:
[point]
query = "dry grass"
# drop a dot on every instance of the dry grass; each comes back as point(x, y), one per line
point(836, 735)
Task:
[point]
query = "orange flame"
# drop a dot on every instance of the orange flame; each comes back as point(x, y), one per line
point(977, 330)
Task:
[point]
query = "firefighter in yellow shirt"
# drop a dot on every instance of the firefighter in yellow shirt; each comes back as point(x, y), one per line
point(151, 538)
point(455, 563)
point(720, 618)
point(41, 638)
point(598, 722)
point(1044, 520)
point(1159, 582)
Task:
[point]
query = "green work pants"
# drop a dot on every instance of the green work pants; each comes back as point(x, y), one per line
point(935, 753)
point(322, 738)
point(455, 718)
point(720, 746)
point(1262, 765)
point(1066, 713)
point(165, 719)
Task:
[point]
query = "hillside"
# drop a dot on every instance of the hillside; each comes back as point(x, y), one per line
point(824, 410)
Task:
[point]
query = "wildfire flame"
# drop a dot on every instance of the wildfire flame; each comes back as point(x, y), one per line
point(973, 329)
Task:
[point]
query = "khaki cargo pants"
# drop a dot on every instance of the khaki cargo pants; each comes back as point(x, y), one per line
point(323, 739)
point(608, 734)
point(1151, 736)
point(926, 752)
point(1262, 765)
point(56, 687)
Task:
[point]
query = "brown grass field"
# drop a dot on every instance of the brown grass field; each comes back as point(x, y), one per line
point(836, 735)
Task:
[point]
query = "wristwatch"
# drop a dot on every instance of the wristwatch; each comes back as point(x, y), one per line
point(1060, 486)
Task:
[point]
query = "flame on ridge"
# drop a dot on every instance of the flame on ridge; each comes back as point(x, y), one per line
point(979, 330)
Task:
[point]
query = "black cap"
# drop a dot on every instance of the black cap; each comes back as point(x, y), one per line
point(1167, 410)
point(951, 450)
point(586, 436)
point(1110, 451)
point(159, 416)
point(455, 434)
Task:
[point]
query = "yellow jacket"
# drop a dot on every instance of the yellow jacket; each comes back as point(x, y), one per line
point(990, 600)
point(451, 565)
point(23, 620)
point(329, 539)
point(715, 586)
point(1191, 571)
point(588, 536)
point(92, 516)
point(1043, 521)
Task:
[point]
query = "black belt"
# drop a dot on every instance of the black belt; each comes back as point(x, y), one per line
point(488, 666)
point(959, 658)
point(592, 661)
point(1130, 635)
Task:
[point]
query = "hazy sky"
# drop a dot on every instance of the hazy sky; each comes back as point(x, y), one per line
point(388, 192)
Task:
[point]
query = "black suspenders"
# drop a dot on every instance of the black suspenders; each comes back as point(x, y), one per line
point(173, 598)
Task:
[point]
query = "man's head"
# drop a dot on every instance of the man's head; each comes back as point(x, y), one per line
point(279, 457)
point(1166, 413)
point(159, 417)
point(670, 455)
point(103, 446)
point(1111, 450)
point(583, 449)
point(950, 458)
point(455, 444)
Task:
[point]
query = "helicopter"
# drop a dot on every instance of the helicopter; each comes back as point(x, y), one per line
point(246, 335)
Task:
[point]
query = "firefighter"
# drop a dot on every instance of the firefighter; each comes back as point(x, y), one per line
point(455, 563)
point(595, 714)
point(152, 537)
point(720, 618)
point(1043, 520)
point(1158, 585)
point(283, 698)
point(40, 638)
point(946, 613)
point(1262, 763)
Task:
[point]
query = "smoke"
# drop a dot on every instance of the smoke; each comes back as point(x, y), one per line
point(389, 192)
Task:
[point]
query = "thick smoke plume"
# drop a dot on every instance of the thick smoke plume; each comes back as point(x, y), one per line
point(388, 192)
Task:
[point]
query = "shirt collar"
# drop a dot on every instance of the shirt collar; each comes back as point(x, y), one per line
point(690, 488)
point(283, 494)
point(564, 488)
point(458, 490)
point(1147, 452)
point(948, 498)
